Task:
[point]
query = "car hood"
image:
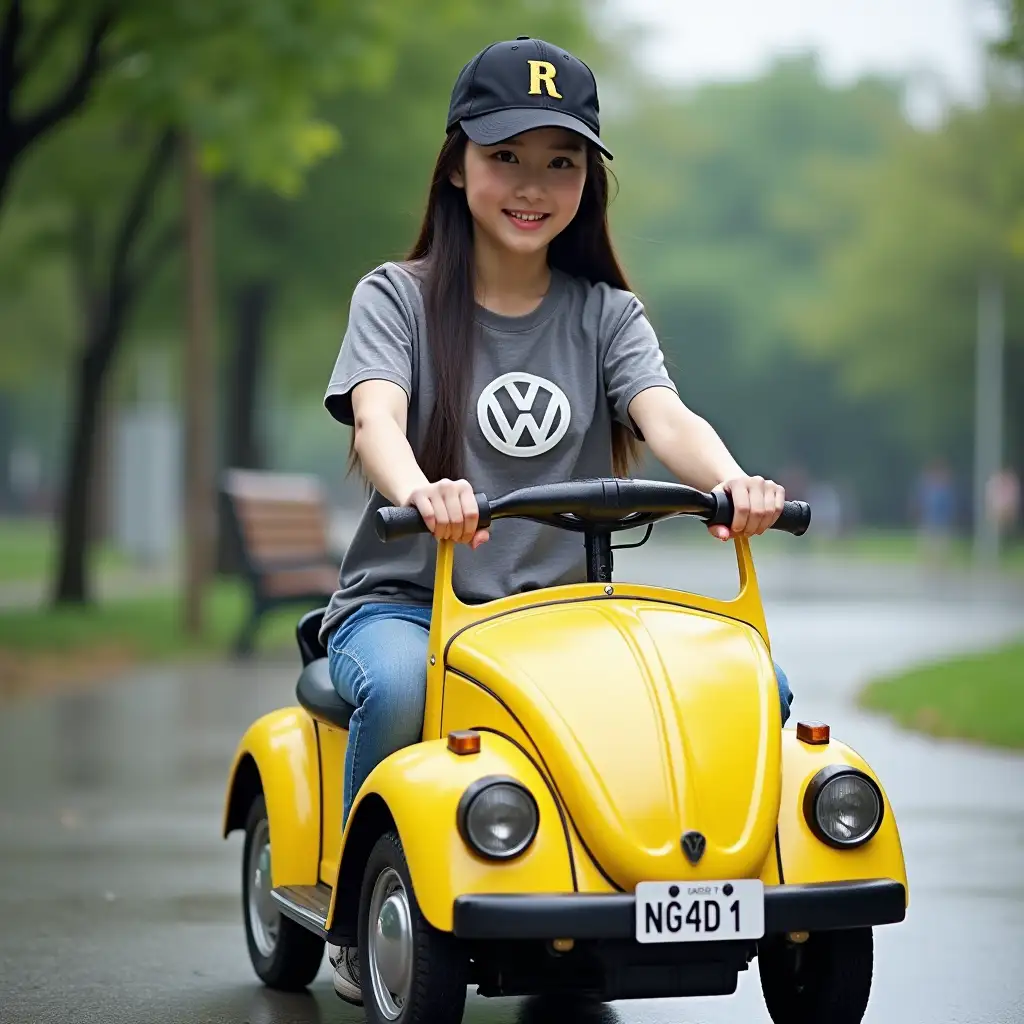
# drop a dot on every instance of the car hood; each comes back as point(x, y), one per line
point(652, 720)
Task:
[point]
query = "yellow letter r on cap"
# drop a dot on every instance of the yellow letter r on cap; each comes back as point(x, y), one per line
point(543, 71)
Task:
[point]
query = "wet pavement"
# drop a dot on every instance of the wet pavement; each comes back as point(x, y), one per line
point(120, 902)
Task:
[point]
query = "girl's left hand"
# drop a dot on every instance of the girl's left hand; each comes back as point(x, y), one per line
point(757, 503)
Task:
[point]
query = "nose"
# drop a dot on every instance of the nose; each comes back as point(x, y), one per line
point(530, 186)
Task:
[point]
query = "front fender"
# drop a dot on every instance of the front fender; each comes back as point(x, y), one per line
point(278, 756)
point(804, 857)
point(418, 789)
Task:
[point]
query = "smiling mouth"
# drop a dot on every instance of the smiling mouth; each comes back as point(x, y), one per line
point(522, 219)
point(520, 215)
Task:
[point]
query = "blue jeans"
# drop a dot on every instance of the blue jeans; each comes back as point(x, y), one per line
point(378, 663)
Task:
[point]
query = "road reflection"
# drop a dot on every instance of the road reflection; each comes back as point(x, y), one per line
point(162, 729)
point(262, 1006)
point(267, 1007)
point(552, 1010)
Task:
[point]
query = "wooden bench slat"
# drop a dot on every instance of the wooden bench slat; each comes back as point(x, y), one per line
point(300, 582)
point(265, 555)
point(309, 509)
point(271, 520)
point(282, 543)
point(241, 484)
point(270, 530)
point(281, 518)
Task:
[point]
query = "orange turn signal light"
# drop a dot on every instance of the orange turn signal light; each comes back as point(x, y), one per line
point(464, 741)
point(814, 733)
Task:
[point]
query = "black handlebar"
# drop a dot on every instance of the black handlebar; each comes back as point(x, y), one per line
point(606, 504)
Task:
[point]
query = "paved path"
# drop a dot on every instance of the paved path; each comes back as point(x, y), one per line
point(121, 903)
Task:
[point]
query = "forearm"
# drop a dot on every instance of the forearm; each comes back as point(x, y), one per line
point(690, 448)
point(386, 456)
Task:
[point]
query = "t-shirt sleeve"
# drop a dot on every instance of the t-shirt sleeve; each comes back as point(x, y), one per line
point(377, 344)
point(633, 361)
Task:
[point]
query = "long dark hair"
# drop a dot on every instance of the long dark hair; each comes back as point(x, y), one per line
point(444, 254)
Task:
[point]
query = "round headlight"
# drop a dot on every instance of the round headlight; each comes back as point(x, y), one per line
point(843, 806)
point(498, 818)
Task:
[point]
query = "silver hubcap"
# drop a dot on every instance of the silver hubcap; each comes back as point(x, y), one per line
point(264, 917)
point(391, 953)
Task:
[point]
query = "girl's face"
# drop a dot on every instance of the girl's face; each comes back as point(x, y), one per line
point(525, 191)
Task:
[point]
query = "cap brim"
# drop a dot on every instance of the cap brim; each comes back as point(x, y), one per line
point(490, 129)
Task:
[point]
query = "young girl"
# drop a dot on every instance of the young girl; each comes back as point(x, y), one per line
point(507, 350)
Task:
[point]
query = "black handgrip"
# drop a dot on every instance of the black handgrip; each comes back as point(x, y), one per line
point(795, 517)
point(393, 522)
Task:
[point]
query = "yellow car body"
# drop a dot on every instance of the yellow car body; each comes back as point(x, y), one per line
point(632, 715)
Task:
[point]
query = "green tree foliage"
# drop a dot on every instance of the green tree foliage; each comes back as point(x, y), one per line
point(809, 259)
point(718, 188)
point(900, 304)
point(242, 79)
point(1010, 46)
point(899, 308)
point(84, 85)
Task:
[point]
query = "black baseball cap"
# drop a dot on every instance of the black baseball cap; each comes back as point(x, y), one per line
point(521, 84)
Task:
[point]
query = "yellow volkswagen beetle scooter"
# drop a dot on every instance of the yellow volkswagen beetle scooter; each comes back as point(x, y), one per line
point(603, 800)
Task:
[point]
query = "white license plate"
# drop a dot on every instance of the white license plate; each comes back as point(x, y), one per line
point(699, 911)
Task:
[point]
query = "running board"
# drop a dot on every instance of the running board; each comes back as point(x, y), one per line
point(305, 904)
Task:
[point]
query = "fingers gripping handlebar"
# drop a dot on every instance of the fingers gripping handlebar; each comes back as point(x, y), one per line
point(606, 504)
point(794, 518)
point(394, 521)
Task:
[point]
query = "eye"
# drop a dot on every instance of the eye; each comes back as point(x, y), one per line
point(562, 162)
point(506, 156)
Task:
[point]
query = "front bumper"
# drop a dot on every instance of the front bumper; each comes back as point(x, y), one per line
point(821, 906)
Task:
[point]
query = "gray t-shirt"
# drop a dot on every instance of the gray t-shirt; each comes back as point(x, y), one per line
point(544, 391)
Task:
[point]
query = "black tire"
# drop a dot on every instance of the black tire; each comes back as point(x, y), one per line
point(826, 980)
point(439, 963)
point(294, 960)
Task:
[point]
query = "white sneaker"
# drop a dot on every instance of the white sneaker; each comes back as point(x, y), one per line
point(345, 961)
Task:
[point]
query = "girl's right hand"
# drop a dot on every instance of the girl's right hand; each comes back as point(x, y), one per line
point(450, 511)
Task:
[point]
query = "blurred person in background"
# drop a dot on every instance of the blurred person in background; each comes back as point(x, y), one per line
point(507, 350)
point(935, 507)
point(1002, 500)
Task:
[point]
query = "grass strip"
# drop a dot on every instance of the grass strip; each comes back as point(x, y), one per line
point(978, 697)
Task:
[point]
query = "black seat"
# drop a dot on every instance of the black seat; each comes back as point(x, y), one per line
point(308, 635)
point(318, 696)
point(315, 691)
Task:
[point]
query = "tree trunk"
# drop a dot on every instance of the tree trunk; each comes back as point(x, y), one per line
point(102, 478)
point(10, 73)
point(105, 315)
point(76, 508)
point(244, 442)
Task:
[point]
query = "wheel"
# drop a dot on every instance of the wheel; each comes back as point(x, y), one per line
point(410, 972)
point(284, 955)
point(826, 978)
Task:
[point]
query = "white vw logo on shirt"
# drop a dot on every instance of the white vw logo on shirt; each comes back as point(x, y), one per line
point(523, 389)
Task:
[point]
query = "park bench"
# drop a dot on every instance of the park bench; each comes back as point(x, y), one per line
point(281, 528)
